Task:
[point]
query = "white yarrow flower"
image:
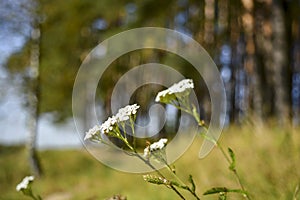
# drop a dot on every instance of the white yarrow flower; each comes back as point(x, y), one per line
point(111, 123)
point(146, 152)
point(179, 87)
point(158, 145)
point(154, 147)
point(182, 86)
point(25, 182)
point(125, 113)
point(161, 94)
point(108, 125)
point(93, 131)
point(122, 116)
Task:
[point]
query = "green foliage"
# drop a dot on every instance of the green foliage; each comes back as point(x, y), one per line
point(218, 190)
point(191, 180)
point(232, 156)
point(68, 35)
point(19, 60)
point(155, 180)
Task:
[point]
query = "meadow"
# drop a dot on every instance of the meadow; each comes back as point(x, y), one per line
point(268, 160)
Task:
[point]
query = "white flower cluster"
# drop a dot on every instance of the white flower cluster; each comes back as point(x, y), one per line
point(108, 125)
point(122, 115)
point(155, 146)
point(158, 145)
point(24, 183)
point(93, 131)
point(176, 88)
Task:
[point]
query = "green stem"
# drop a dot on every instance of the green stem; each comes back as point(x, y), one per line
point(30, 194)
point(118, 135)
point(177, 192)
point(123, 127)
point(195, 115)
point(129, 146)
point(184, 186)
point(180, 108)
point(234, 170)
point(193, 193)
point(159, 173)
point(133, 133)
point(152, 167)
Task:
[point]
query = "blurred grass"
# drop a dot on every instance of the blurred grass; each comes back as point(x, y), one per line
point(268, 160)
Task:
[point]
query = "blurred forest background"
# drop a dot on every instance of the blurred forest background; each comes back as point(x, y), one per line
point(254, 43)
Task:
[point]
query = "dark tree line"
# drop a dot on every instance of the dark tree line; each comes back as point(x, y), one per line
point(255, 44)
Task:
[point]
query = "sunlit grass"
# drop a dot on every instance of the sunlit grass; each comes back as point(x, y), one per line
point(267, 159)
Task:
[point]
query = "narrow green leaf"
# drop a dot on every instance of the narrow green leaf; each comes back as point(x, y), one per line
point(215, 190)
point(192, 182)
point(243, 192)
point(174, 183)
point(232, 156)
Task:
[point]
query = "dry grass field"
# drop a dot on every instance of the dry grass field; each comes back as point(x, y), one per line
point(268, 161)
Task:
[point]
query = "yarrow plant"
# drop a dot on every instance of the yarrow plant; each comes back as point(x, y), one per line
point(112, 127)
point(177, 95)
point(25, 187)
point(116, 126)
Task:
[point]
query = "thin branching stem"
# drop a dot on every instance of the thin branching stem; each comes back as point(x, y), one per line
point(159, 173)
point(181, 182)
point(193, 193)
point(177, 192)
point(133, 149)
point(234, 170)
point(190, 111)
point(133, 132)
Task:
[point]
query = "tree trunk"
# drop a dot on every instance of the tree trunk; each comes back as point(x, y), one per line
point(264, 50)
point(280, 65)
point(33, 100)
point(250, 62)
point(209, 13)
